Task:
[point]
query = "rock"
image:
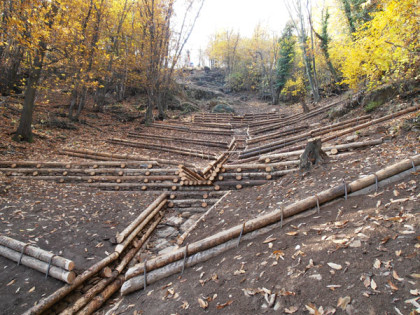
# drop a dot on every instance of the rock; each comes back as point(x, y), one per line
point(187, 224)
point(352, 138)
point(166, 232)
point(222, 108)
point(174, 220)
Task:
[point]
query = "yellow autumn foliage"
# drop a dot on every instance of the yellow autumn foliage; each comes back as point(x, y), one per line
point(385, 49)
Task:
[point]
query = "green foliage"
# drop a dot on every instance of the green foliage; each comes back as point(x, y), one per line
point(371, 106)
point(286, 56)
point(222, 108)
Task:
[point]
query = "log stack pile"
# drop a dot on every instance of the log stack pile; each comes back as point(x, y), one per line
point(28, 255)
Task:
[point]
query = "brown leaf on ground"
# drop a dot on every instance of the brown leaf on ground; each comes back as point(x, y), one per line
point(291, 310)
point(203, 304)
point(343, 302)
point(220, 306)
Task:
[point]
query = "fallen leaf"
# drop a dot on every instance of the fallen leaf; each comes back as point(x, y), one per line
point(415, 275)
point(203, 304)
point(11, 282)
point(291, 310)
point(335, 266)
point(270, 239)
point(220, 306)
point(278, 254)
point(377, 263)
point(373, 284)
point(31, 290)
point(385, 240)
point(343, 302)
point(396, 277)
point(398, 253)
point(393, 286)
point(185, 305)
point(293, 233)
point(415, 292)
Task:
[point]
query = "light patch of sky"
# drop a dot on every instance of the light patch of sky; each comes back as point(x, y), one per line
point(238, 15)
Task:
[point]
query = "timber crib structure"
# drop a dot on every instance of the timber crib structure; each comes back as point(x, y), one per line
point(244, 151)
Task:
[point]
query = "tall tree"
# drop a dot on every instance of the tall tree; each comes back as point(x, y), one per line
point(40, 16)
point(285, 61)
point(299, 20)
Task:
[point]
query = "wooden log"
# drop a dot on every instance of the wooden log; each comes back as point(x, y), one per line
point(37, 253)
point(127, 231)
point(55, 272)
point(162, 148)
point(50, 300)
point(180, 140)
point(265, 220)
point(277, 145)
point(266, 167)
point(277, 134)
point(181, 239)
point(123, 157)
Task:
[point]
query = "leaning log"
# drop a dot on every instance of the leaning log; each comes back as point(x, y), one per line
point(187, 232)
point(265, 220)
point(121, 236)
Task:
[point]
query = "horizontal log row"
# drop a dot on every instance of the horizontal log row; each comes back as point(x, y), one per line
point(270, 158)
point(106, 156)
point(315, 132)
point(87, 172)
point(289, 141)
point(182, 128)
point(296, 118)
point(289, 131)
point(164, 148)
point(76, 165)
point(208, 143)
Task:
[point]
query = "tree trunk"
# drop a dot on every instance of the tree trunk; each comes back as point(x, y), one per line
point(24, 131)
point(312, 155)
point(304, 106)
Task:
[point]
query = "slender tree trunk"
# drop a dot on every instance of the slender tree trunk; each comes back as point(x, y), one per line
point(24, 131)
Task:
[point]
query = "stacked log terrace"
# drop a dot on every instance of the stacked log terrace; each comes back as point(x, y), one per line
point(207, 143)
point(337, 131)
point(238, 176)
point(105, 156)
point(183, 128)
point(28, 255)
point(105, 277)
point(106, 175)
point(165, 148)
point(275, 124)
point(234, 120)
